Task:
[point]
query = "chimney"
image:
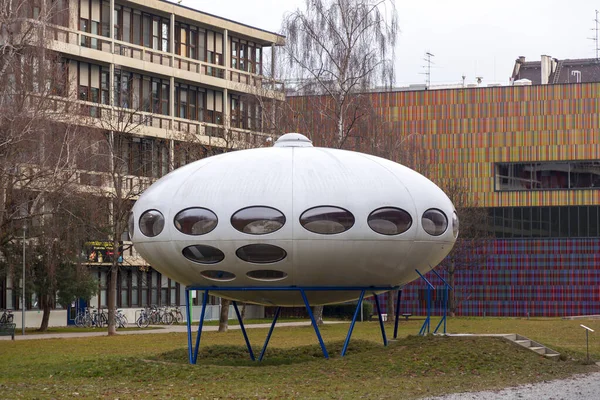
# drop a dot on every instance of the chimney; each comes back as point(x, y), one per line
point(546, 64)
point(521, 59)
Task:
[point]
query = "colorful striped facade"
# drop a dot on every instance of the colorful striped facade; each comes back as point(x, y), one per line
point(466, 133)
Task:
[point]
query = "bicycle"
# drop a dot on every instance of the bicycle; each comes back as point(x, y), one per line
point(176, 311)
point(143, 320)
point(121, 319)
point(7, 317)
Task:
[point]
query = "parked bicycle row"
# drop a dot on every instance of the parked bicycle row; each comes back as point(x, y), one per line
point(91, 317)
point(158, 315)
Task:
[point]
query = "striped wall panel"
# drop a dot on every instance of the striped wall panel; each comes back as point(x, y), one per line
point(466, 131)
point(537, 278)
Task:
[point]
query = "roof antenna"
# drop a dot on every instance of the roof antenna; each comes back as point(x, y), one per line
point(596, 39)
point(427, 74)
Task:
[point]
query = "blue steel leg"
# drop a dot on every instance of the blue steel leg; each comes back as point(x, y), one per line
point(239, 317)
point(428, 309)
point(445, 308)
point(397, 314)
point(262, 353)
point(314, 323)
point(380, 320)
point(200, 324)
point(189, 324)
point(443, 320)
point(358, 307)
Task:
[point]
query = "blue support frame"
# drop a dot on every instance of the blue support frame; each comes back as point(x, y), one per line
point(427, 323)
point(397, 313)
point(448, 287)
point(193, 351)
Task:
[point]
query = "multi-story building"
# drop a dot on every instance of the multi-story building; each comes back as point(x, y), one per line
point(530, 155)
point(183, 76)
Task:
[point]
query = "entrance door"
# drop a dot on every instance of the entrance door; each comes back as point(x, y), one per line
point(76, 307)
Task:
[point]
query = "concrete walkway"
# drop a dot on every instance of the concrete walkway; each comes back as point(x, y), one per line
point(159, 329)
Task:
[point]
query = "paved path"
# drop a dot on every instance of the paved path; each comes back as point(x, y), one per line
point(580, 387)
point(159, 329)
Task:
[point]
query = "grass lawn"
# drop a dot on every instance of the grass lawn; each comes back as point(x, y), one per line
point(142, 366)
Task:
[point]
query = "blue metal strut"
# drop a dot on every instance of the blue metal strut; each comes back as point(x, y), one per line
point(380, 320)
point(358, 307)
point(447, 288)
point(239, 317)
point(200, 324)
point(397, 313)
point(314, 323)
point(262, 353)
point(427, 323)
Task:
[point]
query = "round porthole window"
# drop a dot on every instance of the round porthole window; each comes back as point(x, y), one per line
point(266, 275)
point(217, 275)
point(131, 225)
point(434, 222)
point(261, 253)
point(195, 221)
point(258, 220)
point(327, 220)
point(203, 254)
point(389, 221)
point(455, 224)
point(152, 223)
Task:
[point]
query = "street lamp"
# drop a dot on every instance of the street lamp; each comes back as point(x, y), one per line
point(23, 284)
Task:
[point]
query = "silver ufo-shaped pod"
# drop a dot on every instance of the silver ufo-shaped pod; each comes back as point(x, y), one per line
point(293, 215)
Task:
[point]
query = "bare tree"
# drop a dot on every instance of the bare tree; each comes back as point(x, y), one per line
point(55, 253)
point(129, 163)
point(341, 49)
point(471, 249)
point(39, 143)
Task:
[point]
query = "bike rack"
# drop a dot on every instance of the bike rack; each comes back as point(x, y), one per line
point(193, 350)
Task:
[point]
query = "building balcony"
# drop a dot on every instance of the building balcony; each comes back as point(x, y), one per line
point(145, 124)
point(89, 46)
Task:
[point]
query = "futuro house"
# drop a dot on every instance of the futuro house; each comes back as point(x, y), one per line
point(293, 215)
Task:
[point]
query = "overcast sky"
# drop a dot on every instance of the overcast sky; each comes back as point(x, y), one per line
point(468, 37)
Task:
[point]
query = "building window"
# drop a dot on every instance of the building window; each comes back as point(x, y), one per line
point(214, 107)
point(195, 221)
point(266, 275)
point(544, 222)
point(389, 221)
point(93, 17)
point(245, 113)
point(258, 220)
point(140, 92)
point(203, 254)
point(327, 220)
point(552, 175)
point(218, 275)
point(189, 102)
point(246, 56)
point(133, 26)
point(261, 253)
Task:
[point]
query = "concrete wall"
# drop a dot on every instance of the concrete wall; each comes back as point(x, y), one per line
point(58, 318)
point(33, 319)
